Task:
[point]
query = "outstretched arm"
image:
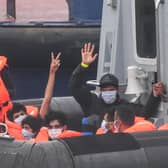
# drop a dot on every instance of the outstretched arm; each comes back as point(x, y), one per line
point(54, 66)
point(77, 82)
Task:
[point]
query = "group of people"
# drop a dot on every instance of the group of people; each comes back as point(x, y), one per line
point(38, 125)
point(108, 103)
point(104, 113)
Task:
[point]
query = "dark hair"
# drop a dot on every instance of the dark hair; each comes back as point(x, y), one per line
point(17, 107)
point(126, 113)
point(34, 123)
point(108, 80)
point(56, 115)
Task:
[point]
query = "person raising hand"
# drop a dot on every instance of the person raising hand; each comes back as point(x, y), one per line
point(54, 66)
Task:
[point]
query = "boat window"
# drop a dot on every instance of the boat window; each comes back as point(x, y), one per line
point(145, 28)
point(34, 10)
point(20, 11)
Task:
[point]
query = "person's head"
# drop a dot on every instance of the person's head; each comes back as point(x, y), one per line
point(17, 113)
point(109, 88)
point(108, 120)
point(30, 127)
point(56, 123)
point(123, 118)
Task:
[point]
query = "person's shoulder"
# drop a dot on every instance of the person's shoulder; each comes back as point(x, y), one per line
point(163, 127)
point(121, 100)
point(69, 133)
point(43, 129)
point(141, 126)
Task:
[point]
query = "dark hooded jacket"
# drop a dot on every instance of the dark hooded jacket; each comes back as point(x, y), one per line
point(94, 104)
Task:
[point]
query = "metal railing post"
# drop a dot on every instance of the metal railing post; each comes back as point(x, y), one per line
point(11, 8)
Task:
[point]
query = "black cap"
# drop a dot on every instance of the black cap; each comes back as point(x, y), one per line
point(108, 80)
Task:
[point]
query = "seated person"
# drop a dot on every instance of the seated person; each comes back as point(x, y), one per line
point(19, 111)
point(16, 115)
point(126, 121)
point(56, 122)
point(107, 121)
point(56, 128)
point(30, 127)
point(94, 105)
point(14, 119)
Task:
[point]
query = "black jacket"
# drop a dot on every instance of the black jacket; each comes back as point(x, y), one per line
point(93, 104)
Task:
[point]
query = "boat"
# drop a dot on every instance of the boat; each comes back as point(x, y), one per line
point(28, 38)
point(133, 33)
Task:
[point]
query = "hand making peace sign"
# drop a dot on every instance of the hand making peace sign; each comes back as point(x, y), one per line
point(55, 62)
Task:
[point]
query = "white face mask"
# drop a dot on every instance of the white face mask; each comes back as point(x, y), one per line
point(20, 119)
point(109, 96)
point(27, 134)
point(116, 126)
point(103, 126)
point(54, 132)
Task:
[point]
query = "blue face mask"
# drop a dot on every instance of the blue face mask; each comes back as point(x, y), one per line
point(109, 97)
point(27, 134)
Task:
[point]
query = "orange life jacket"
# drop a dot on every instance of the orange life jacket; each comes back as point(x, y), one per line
point(163, 127)
point(32, 110)
point(138, 119)
point(43, 136)
point(69, 134)
point(14, 130)
point(141, 126)
point(5, 99)
point(99, 131)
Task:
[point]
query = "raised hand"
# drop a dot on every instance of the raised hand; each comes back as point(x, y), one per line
point(158, 89)
point(55, 62)
point(54, 65)
point(87, 53)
